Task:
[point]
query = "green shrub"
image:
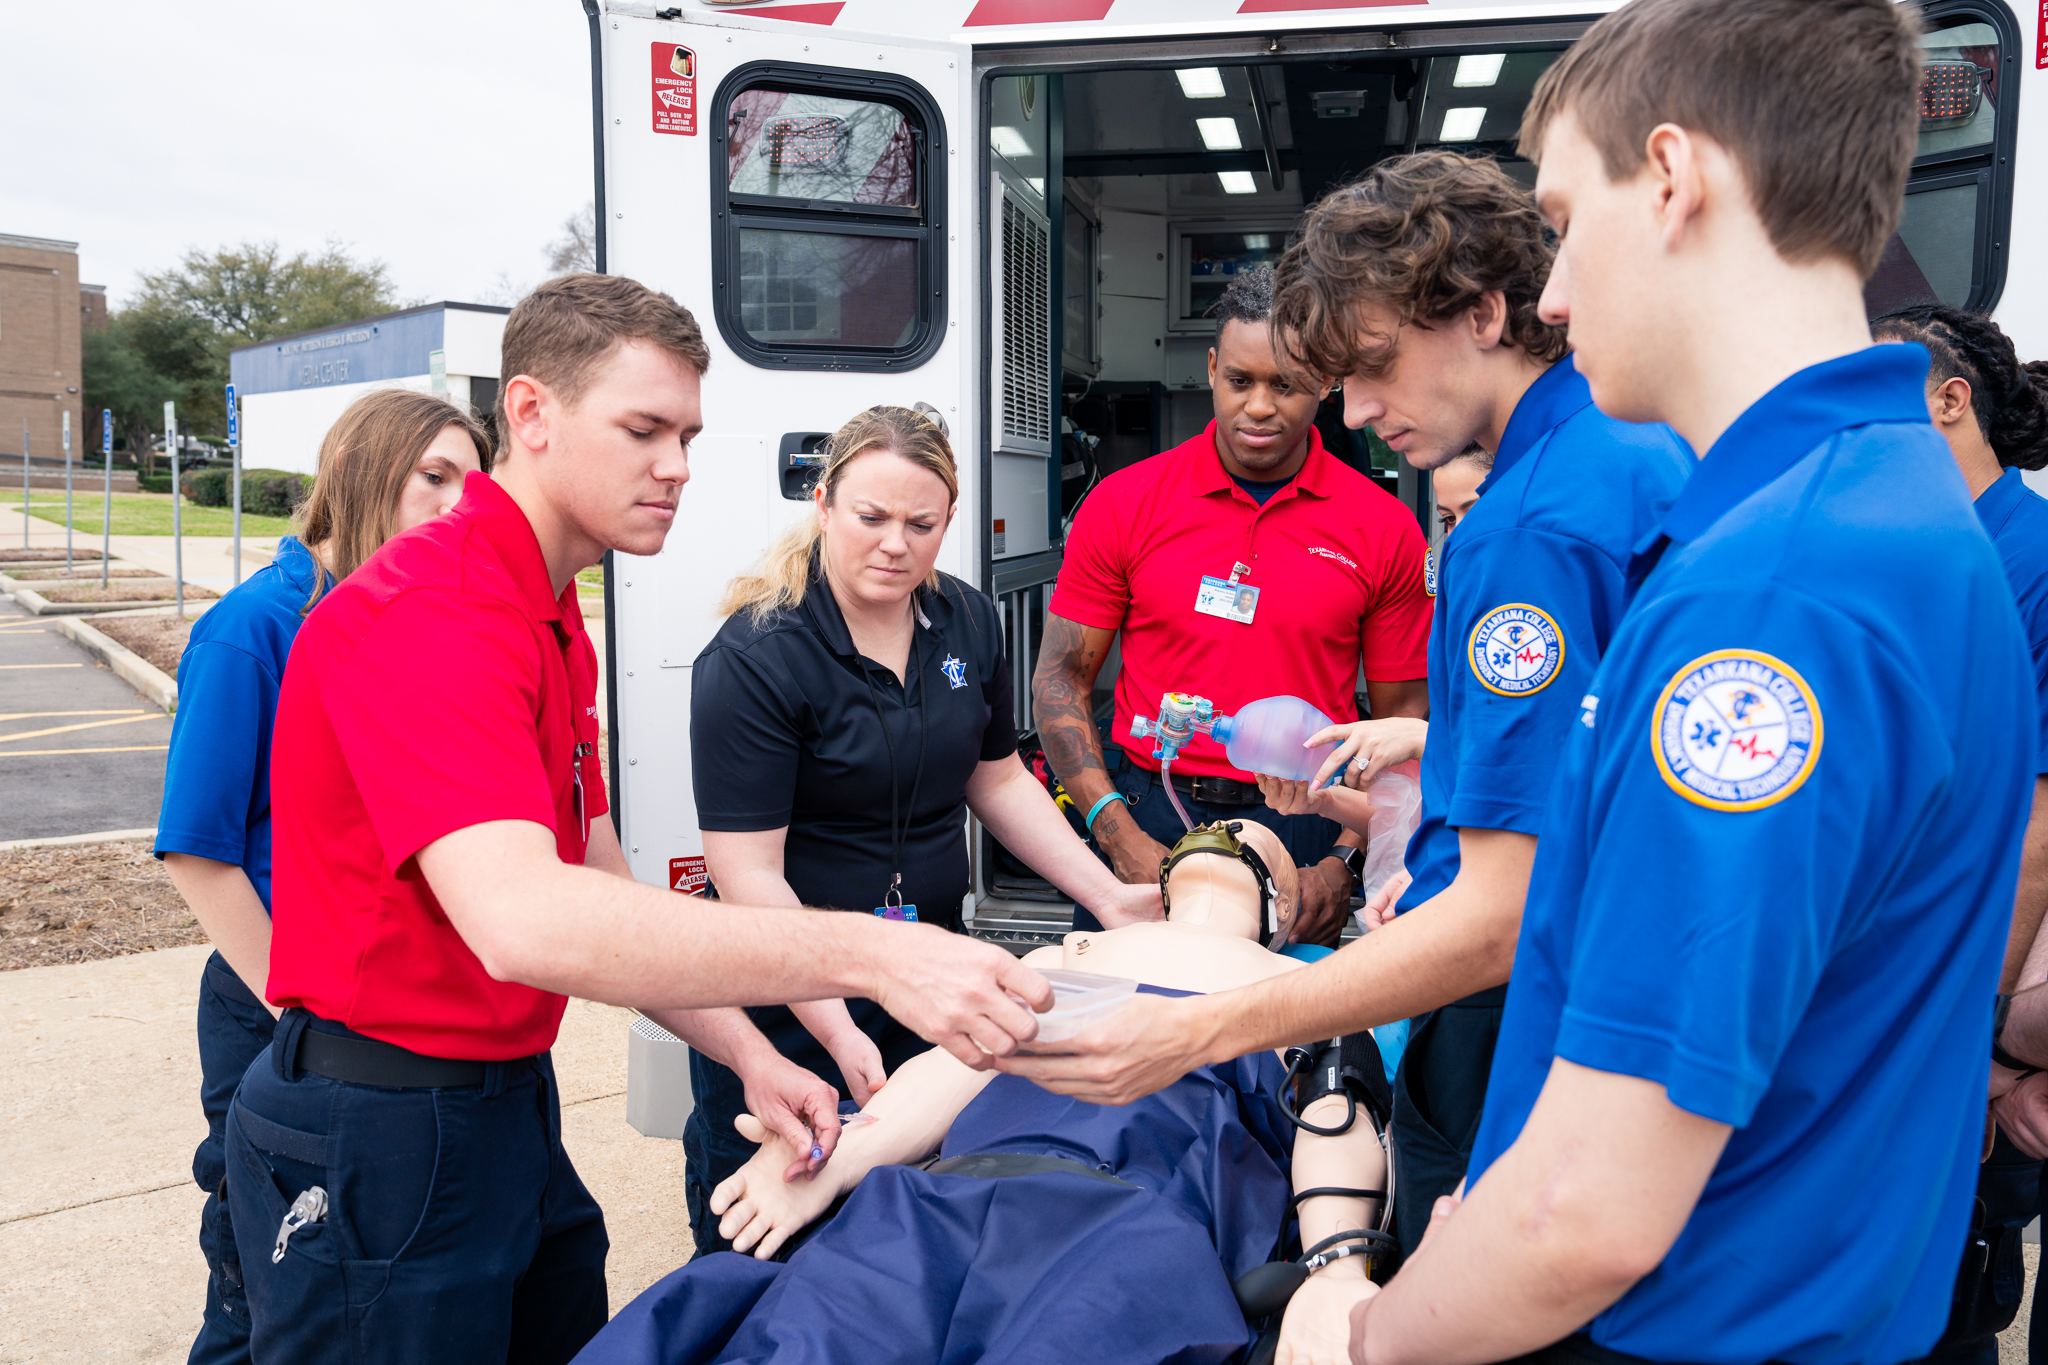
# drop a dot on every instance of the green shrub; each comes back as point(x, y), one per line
point(153, 483)
point(267, 492)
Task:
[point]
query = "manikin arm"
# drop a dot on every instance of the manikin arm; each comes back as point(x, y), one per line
point(912, 1117)
point(1317, 1327)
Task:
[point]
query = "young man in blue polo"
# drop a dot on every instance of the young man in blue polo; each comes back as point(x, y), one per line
point(1419, 284)
point(1746, 1046)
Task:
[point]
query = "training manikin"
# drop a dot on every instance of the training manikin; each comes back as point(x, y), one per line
point(1039, 1204)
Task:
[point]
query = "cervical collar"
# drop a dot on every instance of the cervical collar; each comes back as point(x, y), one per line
point(1221, 839)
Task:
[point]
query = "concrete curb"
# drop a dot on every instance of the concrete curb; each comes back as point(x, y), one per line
point(112, 836)
point(35, 604)
point(145, 677)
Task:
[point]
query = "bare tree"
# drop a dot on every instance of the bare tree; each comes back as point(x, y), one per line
point(575, 251)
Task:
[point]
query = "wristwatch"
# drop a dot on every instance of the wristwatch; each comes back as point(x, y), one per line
point(1354, 863)
point(1998, 1052)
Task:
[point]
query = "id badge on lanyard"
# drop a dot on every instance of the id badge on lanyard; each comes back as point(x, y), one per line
point(1227, 597)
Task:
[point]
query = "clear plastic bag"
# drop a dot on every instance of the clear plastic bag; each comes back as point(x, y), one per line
point(1396, 796)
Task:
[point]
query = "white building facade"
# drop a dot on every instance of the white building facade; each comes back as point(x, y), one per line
point(293, 388)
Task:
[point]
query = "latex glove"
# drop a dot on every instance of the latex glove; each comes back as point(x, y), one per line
point(800, 1108)
point(1379, 907)
point(860, 1062)
point(1318, 1327)
point(959, 993)
point(2022, 1112)
point(1145, 1046)
point(1370, 746)
point(757, 1209)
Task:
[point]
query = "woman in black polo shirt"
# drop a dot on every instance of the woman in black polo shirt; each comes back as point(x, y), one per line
point(852, 710)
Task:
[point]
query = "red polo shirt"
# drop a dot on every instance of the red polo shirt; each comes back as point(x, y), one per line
point(1338, 565)
point(439, 686)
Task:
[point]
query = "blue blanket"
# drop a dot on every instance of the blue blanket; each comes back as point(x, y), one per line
point(1057, 1268)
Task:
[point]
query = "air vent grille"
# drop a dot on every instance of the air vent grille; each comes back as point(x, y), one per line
point(1027, 327)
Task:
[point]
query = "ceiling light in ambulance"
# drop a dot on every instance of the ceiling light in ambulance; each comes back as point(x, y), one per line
point(1258, 241)
point(1219, 134)
point(1201, 82)
point(1238, 182)
point(1462, 125)
point(1478, 69)
point(1009, 141)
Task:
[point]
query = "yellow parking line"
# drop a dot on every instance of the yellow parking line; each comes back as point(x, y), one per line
point(125, 749)
point(42, 665)
point(104, 711)
point(88, 725)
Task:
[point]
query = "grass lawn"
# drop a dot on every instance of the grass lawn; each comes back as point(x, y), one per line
point(143, 514)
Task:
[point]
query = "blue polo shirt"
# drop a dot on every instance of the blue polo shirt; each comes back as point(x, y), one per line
point(1778, 870)
point(1530, 591)
point(2016, 519)
point(217, 782)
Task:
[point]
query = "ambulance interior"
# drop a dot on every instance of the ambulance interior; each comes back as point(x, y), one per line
point(1132, 196)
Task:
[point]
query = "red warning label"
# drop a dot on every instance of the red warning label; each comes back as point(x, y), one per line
point(688, 876)
point(675, 95)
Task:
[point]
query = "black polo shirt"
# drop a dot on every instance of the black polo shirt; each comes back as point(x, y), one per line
point(784, 732)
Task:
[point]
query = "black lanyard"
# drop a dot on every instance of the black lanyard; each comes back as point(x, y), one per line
point(897, 830)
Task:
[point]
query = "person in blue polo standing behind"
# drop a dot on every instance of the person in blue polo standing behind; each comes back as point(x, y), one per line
point(852, 710)
point(393, 460)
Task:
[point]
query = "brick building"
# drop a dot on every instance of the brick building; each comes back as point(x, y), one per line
point(41, 308)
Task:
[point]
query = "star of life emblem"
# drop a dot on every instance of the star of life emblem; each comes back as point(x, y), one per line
point(1515, 650)
point(1429, 572)
point(955, 671)
point(1736, 730)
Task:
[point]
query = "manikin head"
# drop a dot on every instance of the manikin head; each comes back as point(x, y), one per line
point(1417, 283)
point(1455, 484)
point(1717, 159)
point(394, 459)
point(1217, 893)
point(881, 505)
point(1265, 404)
point(600, 402)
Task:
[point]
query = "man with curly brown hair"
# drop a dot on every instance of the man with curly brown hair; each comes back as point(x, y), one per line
point(1418, 284)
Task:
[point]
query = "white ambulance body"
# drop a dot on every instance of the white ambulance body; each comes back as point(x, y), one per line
point(1016, 213)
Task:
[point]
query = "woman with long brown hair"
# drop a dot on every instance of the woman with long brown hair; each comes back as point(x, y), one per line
point(851, 712)
point(395, 459)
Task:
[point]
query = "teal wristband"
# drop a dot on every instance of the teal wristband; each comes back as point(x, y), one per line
point(1096, 809)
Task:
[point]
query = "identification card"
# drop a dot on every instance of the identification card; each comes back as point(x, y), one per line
point(906, 913)
point(1231, 601)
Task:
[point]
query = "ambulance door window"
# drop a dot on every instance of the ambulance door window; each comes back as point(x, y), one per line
point(829, 249)
point(1950, 246)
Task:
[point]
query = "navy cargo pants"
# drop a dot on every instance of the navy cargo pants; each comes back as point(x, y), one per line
point(456, 1230)
point(234, 1028)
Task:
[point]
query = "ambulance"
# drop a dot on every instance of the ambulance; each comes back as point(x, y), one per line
point(1016, 214)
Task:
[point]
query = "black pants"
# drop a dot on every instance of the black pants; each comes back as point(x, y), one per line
point(457, 1231)
point(1308, 838)
point(234, 1028)
point(1993, 1276)
point(1439, 1091)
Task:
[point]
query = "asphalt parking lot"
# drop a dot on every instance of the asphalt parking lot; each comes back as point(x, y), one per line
point(80, 751)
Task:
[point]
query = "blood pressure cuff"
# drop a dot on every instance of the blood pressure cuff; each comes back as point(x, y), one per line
point(1349, 1065)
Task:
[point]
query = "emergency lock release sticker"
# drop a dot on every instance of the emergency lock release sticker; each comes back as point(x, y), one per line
point(675, 90)
point(688, 875)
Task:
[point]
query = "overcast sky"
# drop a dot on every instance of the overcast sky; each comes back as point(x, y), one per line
point(448, 138)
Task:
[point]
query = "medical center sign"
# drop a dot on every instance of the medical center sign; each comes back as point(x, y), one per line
point(675, 90)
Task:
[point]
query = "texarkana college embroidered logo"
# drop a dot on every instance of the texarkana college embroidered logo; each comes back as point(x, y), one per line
point(955, 671)
point(1429, 572)
point(1736, 730)
point(1515, 650)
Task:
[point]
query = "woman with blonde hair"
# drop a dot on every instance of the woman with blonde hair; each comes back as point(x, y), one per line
point(395, 459)
point(851, 712)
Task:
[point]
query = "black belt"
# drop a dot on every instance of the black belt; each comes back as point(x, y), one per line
point(1000, 1165)
point(356, 1060)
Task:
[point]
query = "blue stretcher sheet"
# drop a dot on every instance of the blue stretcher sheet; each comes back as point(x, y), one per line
point(1055, 1268)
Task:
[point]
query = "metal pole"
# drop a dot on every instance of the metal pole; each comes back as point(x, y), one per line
point(177, 505)
point(24, 483)
point(235, 458)
point(107, 512)
point(67, 492)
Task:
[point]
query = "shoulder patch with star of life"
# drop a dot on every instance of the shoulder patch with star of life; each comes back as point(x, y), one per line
point(1736, 730)
point(1515, 650)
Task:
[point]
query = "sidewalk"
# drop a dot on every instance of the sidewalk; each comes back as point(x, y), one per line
point(99, 1260)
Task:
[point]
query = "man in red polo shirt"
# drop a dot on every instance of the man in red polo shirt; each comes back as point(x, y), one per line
point(1336, 572)
point(444, 878)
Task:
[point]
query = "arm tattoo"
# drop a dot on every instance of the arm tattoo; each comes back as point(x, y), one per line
point(1060, 696)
